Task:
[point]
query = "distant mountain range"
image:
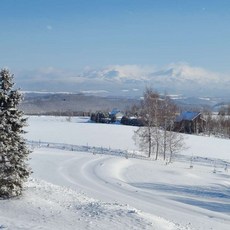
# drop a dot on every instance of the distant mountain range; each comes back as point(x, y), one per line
point(180, 79)
point(51, 90)
point(175, 79)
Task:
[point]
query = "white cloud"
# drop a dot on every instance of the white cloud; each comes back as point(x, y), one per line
point(185, 71)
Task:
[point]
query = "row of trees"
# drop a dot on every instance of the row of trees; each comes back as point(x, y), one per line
point(102, 117)
point(218, 125)
point(225, 110)
point(157, 136)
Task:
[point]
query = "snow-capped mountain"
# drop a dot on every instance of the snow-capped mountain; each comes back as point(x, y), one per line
point(119, 73)
point(130, 80)
point(175, 78)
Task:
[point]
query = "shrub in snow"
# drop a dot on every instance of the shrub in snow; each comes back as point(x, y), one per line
point(13, 150)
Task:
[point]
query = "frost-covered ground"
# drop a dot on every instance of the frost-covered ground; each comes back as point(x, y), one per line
point(83, 180)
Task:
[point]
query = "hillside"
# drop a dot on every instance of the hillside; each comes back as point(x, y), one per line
point(91, 176)
point(67, 103)
point(70, 103)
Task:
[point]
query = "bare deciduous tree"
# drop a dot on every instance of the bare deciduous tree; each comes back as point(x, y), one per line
point(157, 135)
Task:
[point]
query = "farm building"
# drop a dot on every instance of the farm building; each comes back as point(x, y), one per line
point(189, 122)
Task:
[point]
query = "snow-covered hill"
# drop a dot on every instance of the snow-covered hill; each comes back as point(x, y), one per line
point(100, 188)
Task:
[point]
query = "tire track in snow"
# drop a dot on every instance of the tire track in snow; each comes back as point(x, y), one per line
point(81, 172)
point(101, 177)
point(92, 175)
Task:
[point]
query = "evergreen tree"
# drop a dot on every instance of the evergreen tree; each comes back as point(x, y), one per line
point(14, 170)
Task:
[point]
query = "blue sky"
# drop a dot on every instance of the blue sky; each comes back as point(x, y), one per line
point(74, 34)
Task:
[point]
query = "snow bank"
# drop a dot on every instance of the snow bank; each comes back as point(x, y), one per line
point(47, 206)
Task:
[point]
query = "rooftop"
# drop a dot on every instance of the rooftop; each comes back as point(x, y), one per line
point(188, 116)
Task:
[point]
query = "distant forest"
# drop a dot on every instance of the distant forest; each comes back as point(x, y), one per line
point(71, 104)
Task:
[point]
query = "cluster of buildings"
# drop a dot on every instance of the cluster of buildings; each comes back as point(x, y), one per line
point(185, 122)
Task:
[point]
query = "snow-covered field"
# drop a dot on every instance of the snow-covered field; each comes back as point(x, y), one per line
point(83, 179)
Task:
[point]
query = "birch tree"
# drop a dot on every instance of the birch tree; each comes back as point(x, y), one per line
point(157, 135)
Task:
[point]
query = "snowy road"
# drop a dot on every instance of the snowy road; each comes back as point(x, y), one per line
point(151, 187)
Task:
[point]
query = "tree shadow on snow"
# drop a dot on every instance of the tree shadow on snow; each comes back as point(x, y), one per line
point(194, 195)
point(212, 206)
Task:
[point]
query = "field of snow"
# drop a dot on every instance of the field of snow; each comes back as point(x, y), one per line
point(88, 176)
